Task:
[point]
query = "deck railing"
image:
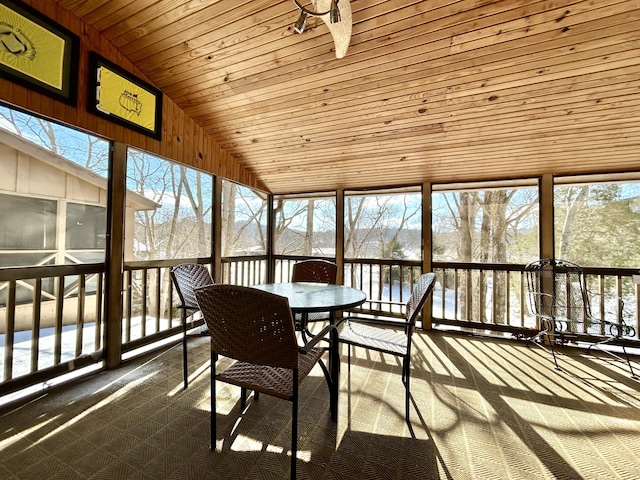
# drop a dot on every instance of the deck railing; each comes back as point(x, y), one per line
point(467, 295)
point(245, 271)
point(494, 297)
point(387, 283)
point(150, 303)
point(487, 296)
point(51, 321)
point(52, 317)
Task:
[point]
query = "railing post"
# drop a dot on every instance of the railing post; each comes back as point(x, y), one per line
point(9, 331)
point(427, 311)
point(271, 239)
point(115, 254)
point(216, 248)
point(340, 235)
point(546, 232)
point(546, 225)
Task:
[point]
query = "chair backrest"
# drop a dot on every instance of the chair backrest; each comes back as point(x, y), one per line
point(249, 325)
point(187, 277)
point(419, 295)
point(319, 271)
point(556, 291)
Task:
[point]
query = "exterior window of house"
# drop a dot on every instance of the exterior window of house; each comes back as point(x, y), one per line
point(28, 233)
point(305, 226)
point(28, 223)
point(27, 237)
point(86, 227)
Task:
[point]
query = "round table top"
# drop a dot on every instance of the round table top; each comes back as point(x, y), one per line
point(316, 297)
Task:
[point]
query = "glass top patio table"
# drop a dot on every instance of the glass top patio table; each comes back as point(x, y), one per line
point(316, 297)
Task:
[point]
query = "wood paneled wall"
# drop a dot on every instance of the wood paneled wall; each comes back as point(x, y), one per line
point(182, 139)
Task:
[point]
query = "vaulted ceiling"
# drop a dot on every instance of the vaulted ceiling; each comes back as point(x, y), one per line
point(433, 90)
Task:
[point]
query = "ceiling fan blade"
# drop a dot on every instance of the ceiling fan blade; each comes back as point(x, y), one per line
point(340, 31)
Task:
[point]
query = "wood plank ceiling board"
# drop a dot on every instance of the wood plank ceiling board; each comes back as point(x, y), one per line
point(433, 90)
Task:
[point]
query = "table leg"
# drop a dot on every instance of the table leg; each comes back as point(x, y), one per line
point(334, 370)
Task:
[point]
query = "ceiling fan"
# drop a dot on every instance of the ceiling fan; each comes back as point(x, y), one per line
point(336, 14)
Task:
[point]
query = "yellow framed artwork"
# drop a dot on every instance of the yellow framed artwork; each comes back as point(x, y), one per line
point(38, 53)
point(117, 95)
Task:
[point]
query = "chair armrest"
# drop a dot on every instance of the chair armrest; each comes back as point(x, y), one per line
point(619, 327)
point(376, 321)
point(188, 307)
point(316, 338)
point(620, 301)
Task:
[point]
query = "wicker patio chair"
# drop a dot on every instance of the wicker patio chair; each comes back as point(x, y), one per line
point(363, 332)
point(186, 278)
point(560, 301)
point(256, 329)
point(316, 271)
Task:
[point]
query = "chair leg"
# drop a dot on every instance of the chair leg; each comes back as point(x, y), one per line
point(243, 398)
point(538, 340)
point(615, 355)
point(213, 401)
point(407, 380)
point(294, 425)
point(185, 371)
point(553, 352)
point(304, 320)
point(626, 356)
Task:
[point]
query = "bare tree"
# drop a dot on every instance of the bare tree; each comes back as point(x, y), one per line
point(485, 221)
point(243, 220)
point(573, 201)
point(228, 216)
point(307, 246)
point(304, 226)
point(287, 239)
point(362, 223)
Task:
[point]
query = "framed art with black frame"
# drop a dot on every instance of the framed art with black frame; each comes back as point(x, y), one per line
point(37, 52)
point(121, 97)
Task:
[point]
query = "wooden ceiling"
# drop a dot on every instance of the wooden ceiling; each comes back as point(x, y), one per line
point(429, 91)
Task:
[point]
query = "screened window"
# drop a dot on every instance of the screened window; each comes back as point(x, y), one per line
point(491, 225)
point(598, 224)
point(384, 226)
point(305, 226)
point(177, 221)
point(244, 221)
point(53, 193)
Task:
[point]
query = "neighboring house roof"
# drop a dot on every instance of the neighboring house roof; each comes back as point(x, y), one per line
point(59, 162)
